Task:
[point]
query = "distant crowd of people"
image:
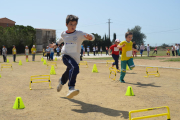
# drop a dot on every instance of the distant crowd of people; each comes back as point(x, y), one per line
point(14, 53)
point(49, 51)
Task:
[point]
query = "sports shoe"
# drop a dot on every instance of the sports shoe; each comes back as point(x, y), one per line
point(122, 81)
point(59, 87)
point(72, 93)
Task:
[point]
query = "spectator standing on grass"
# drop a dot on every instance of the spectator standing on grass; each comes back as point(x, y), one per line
point(26, 52)
point(97, 50)
point(106, 50)
point(134, 46)
point(58, 51)
point(4, 53)
point(177, 49)
point(14, 52)
point(94, 50)
point(101, 50)
point(48, 53)
point(142, 49)
point(88, 50)
point(33, 52)
point(173, 49)
point(52, 52)
point(148, 50)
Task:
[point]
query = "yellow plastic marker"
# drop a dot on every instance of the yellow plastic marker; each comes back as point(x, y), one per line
point(94, 70)
point(129, 91)
point(20, 62)
point(52, 71)
point(18, 103)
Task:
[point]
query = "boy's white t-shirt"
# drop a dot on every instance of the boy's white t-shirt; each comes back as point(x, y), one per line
point(94, 49)
point(87, 49)
point(72, 43)
point(100, 49)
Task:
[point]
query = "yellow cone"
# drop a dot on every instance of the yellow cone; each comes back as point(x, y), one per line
point(18, 103)
point(52, 71)
point(129, 91)
point(94, 69)
point(7, 61)
point(55, 59)
point(0, 75)
point(42, 59)
point(44, 63)
point(127, 68)
point(27, 60)
point(20, 62)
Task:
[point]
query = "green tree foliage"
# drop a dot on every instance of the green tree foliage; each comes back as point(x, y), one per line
point(114, 37)
point(100, 42)
point(165, 45)
point(17, 35)
point(138, 36)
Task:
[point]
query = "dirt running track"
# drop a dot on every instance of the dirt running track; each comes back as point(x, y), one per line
point(100, 98)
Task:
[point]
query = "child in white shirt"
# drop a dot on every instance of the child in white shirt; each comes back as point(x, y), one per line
point(70, 53)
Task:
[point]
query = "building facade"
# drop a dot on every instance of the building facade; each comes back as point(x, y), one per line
point(44, 37)
point(5, 22)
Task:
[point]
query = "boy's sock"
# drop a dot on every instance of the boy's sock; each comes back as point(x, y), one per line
point(71, 87)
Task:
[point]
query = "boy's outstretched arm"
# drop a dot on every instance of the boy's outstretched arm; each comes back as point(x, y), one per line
point(89, 37)
point(86, 36)
point(120, 46)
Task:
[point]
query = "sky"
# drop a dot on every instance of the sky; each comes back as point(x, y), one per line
point(159, 19)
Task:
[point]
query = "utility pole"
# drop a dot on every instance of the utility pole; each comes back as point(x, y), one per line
point(109, 27)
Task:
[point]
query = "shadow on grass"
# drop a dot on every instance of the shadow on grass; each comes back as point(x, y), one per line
point(86, 107)
point(139, 84)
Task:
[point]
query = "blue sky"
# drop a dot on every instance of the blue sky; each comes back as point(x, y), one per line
point(159, 19)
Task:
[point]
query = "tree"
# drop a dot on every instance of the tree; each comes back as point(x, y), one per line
point(138, 36)
point(114, 37)
point(17, 35)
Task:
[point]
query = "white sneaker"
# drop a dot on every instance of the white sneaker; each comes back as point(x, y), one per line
point(59, 87)
point(72, 93)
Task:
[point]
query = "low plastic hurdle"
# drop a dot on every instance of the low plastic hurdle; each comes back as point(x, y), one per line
point(52, 63)
point(37, 77)
point(109, 61)
point(83, 63)
point(9, 65)
point(113, 71)
point(150, 116)
point(156, 73)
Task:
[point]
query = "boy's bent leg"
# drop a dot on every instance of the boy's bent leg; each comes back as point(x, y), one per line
point(65, 76)
point(123, 70)
point(130, 63)
point(73, 69)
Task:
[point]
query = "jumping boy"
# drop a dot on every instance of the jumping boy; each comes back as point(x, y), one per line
point(126, 57)
point(70, 54)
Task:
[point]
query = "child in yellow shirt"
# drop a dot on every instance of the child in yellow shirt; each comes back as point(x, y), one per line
point(14, 53)
point(33, 52)
point(168, 52)
point(126, 56)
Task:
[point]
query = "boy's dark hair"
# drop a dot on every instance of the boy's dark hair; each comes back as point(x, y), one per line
point(71, 18)
point(128, 33)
